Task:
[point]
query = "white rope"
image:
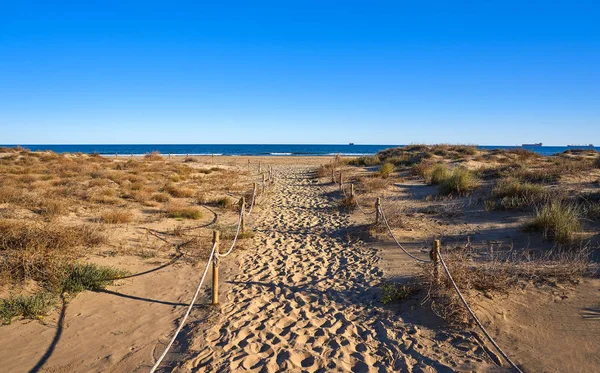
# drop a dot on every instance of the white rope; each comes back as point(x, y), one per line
point(398, 243)
point(182, 323)
point(235, 238)
point(361, 209)
point(252, 203)
point(489, 337)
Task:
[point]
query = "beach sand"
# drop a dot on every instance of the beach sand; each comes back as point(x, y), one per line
point(302, 296)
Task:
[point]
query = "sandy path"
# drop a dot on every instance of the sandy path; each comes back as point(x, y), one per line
point(303, 300)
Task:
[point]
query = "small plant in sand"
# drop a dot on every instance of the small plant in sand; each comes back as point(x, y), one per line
point(557, 220)
point(179, 211)
point(89, 276)
point(116, 217)
point(392, 292)
point(154, 156)
point(178, 191)
point(364, 161)
point(386, 170)
point(513, 193)
point(461, 181)
point(27, 306)
point(439, 173)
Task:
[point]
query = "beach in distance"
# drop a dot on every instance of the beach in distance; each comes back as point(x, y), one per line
point(260, 149)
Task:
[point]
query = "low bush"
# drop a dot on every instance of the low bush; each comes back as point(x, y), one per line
point(461, 181)
point(557, 220)
point(116, 217)
point(89, 276)
point(512, 193)
point(393, 292)
point(439, 174)
point(386, 170)
point(184, 212)
point(364, 161)
point(27, 306)
point(178, 191)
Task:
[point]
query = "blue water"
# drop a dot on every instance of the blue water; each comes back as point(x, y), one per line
point(253, 149)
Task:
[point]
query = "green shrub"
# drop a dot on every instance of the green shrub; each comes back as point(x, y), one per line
point(364, 161)
point(184, 212)
point(439, 174)
point(27, 306)
point(386, 170)
point(515, 194)
point(393, 292)
point(90, 277)
point(461, 181)
point(557, 220)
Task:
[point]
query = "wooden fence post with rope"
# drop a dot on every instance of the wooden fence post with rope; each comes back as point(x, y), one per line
point(435, 258)
point(215, 273)
point(351, 190)
point(378, 210)
point(243, 218)
point(341, 182)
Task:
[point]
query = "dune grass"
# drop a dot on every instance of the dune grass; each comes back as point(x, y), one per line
point(386, 170)
point(460, 181)
point(557, 220)
point(184, 212)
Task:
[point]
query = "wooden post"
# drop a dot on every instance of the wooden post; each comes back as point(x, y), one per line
point(351, 190)
point(377, 209)
point(248, 163)
point(332, 175)
point(242, 208)
point(435, 257)
point(215, 273)
point(341, 182)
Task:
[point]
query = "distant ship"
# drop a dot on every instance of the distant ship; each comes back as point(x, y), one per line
point(351, 143)
point(536, 144)
point(581, 146)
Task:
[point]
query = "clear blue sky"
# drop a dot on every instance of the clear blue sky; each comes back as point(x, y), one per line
point(486, 72)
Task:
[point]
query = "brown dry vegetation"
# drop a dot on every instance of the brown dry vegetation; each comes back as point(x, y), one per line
point(548, 206)
point(55, 210)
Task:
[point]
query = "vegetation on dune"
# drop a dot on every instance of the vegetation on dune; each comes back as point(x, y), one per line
point(393, 292)
point(386, 170)
point(439, 174)
point(26, 306)
point(557, 220)
point(461, 181)
point(44, 196)
point(184, 212)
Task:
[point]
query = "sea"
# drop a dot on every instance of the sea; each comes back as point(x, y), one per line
point(255, 149)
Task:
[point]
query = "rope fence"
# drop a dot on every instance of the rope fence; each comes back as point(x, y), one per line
point(214, 259)
point(436, 258)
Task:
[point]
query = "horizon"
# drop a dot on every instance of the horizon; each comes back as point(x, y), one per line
point(299, 72)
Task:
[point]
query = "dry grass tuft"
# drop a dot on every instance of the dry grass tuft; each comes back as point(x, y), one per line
point(461, 181)
point(498, 275)
point(39, 250)
point(116, 217)
point(557, 220)
point(178, 211)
